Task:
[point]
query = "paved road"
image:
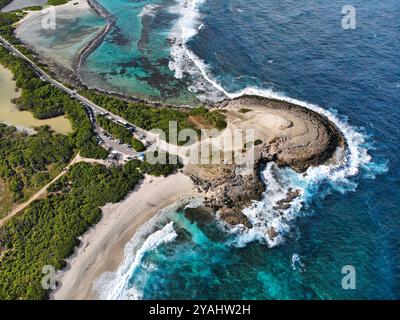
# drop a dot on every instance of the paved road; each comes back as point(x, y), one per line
point(150, 137)
point(111, 143)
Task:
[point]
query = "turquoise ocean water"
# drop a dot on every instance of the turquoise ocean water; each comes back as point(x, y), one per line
point(180, 51)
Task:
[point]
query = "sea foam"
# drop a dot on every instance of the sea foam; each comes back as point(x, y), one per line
point(149, 10)
point(263, 214)
point(184, 61)
point(117, 285)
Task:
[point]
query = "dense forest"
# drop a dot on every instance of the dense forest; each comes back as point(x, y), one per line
point(46, 101)
point(25, 159)
point(46, 233)
point(29, 162)
point(120, 132)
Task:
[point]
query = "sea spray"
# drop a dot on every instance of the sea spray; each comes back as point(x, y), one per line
point(184, 61)
point(149, 10)
point(263, 214)
point(117, 286)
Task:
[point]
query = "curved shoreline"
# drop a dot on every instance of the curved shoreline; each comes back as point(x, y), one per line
point(290, 135)
point(337, 139)
point(102, 247)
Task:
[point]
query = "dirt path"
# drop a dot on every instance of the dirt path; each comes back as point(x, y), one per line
point(42, 191)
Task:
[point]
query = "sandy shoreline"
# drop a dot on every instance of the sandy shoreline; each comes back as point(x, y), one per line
point(102, 247)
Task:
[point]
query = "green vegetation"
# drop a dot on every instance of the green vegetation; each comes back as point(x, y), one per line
point(29, 162)
point(46, 101)
point(252, 143)
point(120, 132)
point(137, 145)
point(161, 169)
point(139, 114)
point(7, 21)
point(214, 118)
point(56, 2)
point(46, 233)
point(34, 8)
point(147, 117)
point(25, 160)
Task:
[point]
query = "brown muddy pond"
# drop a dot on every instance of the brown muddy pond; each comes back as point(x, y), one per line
point(10, 115)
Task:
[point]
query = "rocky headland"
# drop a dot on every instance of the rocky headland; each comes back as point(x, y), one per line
point(287, 134)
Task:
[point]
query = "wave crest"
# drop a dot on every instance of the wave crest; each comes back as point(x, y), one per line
point(117, 285)
point(149, 10)
point(279, 182)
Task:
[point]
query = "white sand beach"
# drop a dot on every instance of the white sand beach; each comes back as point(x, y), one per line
point(103, 246)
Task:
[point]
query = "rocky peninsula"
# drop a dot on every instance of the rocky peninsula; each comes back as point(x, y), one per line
point(287, 134)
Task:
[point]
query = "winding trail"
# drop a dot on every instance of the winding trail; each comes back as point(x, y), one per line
point(43, 190)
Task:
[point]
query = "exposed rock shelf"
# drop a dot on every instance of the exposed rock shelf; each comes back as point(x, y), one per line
point(288, 134)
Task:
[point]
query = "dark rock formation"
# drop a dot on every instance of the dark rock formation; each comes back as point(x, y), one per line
point(234, 218)
point(311, 140)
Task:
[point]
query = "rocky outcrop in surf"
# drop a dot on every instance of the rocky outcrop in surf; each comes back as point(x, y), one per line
point(289, 135)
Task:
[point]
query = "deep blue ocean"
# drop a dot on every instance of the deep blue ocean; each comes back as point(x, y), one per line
point(291, 49)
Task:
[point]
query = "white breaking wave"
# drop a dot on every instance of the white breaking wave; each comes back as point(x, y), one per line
point(116, 285)
point(296, 262)
point(263, 214)
point(149, 10)
point(184, 60)
point(279, 181)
